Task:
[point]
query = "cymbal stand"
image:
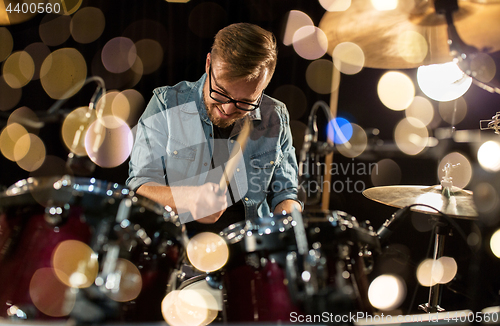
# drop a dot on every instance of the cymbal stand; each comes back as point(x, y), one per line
point(442, 229)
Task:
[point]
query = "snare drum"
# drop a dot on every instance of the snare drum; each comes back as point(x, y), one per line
point(254, 279)
point(130, 245)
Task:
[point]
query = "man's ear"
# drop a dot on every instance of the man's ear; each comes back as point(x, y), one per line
point(207, 63)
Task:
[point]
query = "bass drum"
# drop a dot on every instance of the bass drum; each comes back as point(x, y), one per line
point(254, 278)
point(84, 249)
point(337, 264)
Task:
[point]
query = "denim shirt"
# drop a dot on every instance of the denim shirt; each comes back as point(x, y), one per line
point(174, 141)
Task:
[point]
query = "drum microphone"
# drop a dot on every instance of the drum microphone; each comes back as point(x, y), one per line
point(309, 174)
point(390, 225)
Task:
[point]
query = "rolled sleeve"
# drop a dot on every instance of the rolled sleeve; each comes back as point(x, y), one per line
point(147, 160)
point(284, 184)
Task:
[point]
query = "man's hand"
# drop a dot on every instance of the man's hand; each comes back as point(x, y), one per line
point(208, 205)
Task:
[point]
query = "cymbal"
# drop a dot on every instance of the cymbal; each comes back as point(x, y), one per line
point(388, 40)
point(16, 16)
point(460, 204)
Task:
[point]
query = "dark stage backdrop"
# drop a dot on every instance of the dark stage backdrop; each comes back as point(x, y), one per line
point(183, 33)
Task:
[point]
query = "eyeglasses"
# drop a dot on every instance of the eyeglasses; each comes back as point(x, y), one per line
point(224, 99)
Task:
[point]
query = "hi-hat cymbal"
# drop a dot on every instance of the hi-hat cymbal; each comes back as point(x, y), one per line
point(460, 204)
point(388, 40)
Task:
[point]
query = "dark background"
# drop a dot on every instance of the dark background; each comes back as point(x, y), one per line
point(186, 41)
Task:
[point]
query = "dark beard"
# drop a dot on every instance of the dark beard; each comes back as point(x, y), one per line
point(218, 121)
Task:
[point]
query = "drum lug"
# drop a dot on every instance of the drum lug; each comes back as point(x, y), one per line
point(55, 215)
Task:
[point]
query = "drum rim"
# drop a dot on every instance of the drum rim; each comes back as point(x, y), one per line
point(79, 186)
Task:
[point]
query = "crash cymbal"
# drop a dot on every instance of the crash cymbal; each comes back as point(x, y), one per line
point(460, 204)
point(389, 40)
point(16, 16)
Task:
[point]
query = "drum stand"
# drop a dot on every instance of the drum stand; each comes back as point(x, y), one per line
point(442, 229)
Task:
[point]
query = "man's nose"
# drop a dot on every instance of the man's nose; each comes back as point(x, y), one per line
point(230, 108)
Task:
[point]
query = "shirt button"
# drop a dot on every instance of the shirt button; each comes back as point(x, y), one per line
point(175, 152)
point(232, 141)
point(205, 164)
point(237, 170)
point(246, 198)
point(272, 162)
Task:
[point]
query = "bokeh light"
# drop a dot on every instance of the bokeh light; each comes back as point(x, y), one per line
point(18, 69)
point(75, 127)
point(125, 106)
point(450, 269)
point(108, 147)
point(25, 117)
point(188, 308)
point(30, 152)
point(87, 25)
point(294, 21)
point(412, 46)
point(49, 295)
point(119, 54)
point(52, 166)
point(54, 29)
point(319, 75)
point(383, 5)
point(38, 52)
point(335, 5)
point(68, 7)
point(483, 67)
point(396, 90)
point(339, 130)
point(7, 43)
point(207, 251)
point(348, 58)
point(429, 272)
point(127, 79)
point(387, 292)
point(128, 105)
point(75, 263)
point(63, 73)
point(310, 42)
point(443, 82)
point(356, 144)
point(9, 137)
point(454, 111)
point(459, 167)
point(151, 54)
point(411, 137)
point(385, 172)
point(9, 97)
point(486, 198)
point(495, 243)
point(128, 285)
point(488, 156)
point(421, 109)
point(294, 98)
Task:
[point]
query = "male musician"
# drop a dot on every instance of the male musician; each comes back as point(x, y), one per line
point(188, 131)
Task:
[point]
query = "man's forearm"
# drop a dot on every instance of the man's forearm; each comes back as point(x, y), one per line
point(163, 195)
point(287, 205)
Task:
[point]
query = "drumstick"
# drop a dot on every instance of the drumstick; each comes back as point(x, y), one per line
point(232, 162)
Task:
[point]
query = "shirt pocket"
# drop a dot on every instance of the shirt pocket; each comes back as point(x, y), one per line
point(179, 161)
point(262, 168)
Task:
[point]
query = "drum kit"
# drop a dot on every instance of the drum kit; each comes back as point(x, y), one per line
point(132, 250)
